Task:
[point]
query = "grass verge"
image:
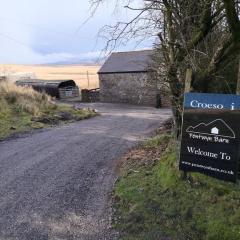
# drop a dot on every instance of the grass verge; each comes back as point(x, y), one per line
point(152, 201)
point(23, 109)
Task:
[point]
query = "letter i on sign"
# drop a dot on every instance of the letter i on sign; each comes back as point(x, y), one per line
point(232, 106)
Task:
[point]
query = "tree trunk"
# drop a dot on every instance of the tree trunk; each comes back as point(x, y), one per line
point(176, 90)
point(177, 104)
point(177, 116)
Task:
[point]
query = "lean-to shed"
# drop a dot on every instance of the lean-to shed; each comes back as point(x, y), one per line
point(61, 89)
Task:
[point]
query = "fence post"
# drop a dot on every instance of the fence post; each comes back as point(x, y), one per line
point(238, 80)
point(88, 80)
point(238, 93)
point(188, 82)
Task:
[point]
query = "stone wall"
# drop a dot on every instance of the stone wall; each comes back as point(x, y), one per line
point(165, 99)
point(132, 88)
point(165, 94)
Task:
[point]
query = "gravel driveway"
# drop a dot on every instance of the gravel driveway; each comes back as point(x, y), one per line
point(56, 184)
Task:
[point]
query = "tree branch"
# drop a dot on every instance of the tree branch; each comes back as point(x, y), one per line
point(232, 18)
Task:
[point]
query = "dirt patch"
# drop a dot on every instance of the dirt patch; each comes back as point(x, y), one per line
point(147, 154)
point(140, 157)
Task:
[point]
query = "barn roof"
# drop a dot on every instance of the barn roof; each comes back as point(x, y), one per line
point(127, 62)
point(51, 87)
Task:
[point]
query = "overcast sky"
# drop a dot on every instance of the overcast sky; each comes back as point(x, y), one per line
point(47, 31)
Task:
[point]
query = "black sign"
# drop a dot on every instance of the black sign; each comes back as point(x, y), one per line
point(211, 135)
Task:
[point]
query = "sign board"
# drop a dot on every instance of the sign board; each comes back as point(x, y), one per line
point(211, 135)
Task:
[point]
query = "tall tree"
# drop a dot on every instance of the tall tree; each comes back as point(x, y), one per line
point(202, 35)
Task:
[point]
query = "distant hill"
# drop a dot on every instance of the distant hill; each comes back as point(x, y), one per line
point(85, 75)
point(87, 62)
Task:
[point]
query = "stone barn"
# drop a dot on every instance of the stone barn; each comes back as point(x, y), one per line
point(126, 77)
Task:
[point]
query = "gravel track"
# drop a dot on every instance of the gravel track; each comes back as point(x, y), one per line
point(56, 184)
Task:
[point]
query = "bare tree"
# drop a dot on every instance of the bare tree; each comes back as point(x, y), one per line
point(202, 35)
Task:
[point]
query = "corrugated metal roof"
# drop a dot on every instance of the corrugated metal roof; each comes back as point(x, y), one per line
point(51, 87)
point(124, 62)
point(43, 82)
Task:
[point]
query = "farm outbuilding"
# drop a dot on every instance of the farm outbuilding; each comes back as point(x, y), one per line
point(61, 89)
point(126, 77)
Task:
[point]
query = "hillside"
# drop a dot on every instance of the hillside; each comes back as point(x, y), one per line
point(23, 109)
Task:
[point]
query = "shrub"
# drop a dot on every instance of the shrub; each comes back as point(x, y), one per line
point(24, 98)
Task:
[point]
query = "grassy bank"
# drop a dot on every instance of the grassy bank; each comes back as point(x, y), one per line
point(152, 202)
point(23, 109)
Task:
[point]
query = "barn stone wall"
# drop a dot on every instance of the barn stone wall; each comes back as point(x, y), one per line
point(132, 88)
point(165, 98)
